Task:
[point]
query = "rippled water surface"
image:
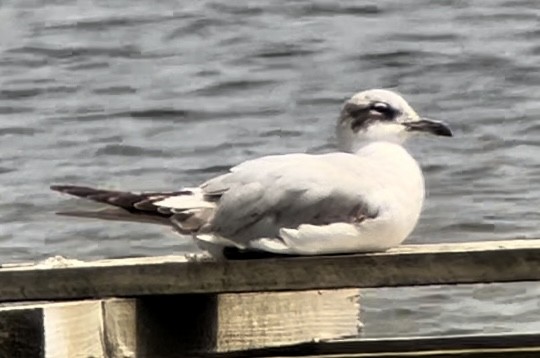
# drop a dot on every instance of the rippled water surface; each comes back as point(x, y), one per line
point(156, 95)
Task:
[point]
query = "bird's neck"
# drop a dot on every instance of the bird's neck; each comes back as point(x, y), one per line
point(349, 142)
point(392, 155)
point(382, 149)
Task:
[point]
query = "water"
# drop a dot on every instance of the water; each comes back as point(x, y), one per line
point(143, 95)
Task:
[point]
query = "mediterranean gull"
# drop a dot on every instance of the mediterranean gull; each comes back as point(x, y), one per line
point(365, 198)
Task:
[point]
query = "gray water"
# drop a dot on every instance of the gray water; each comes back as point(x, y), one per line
point(147, 95)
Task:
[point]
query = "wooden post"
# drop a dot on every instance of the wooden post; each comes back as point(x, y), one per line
point(269, 319)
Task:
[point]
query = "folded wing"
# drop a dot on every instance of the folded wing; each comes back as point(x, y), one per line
point(264, 204)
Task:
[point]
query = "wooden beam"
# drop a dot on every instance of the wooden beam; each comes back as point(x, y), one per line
point(481, 262)
point(228, 322)
point(477, 346)
point(176, 325)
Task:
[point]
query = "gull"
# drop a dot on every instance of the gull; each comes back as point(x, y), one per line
point(365, 198)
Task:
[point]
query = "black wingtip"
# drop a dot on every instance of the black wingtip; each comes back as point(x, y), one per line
point(75, 190)
point(59, 188)
point(67, 188)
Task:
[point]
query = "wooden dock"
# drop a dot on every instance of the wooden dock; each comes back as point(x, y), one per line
point(280, 307)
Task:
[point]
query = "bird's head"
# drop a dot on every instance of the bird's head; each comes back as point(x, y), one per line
point(381, 115)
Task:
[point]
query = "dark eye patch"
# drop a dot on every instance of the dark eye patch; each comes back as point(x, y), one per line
point(355, 110)
point(384, 108)
point(361, 115)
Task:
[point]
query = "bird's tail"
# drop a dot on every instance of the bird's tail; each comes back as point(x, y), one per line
point(126, 206)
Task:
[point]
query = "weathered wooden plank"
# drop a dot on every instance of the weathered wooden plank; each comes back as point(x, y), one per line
point(96, 328)
point(270, 319)
point(464, 353)
point(499, 261)
point(119, 317)
point(478, 346)
point(72, 329)
point(231, 322)
point(176, 325)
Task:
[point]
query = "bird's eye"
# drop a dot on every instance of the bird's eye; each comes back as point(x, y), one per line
point(383, 108)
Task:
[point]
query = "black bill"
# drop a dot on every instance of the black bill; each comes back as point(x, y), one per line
point(429, 126)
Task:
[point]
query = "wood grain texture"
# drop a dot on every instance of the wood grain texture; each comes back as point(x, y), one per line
point(478, 346)
point(463, 353)
point(269, 319)
point(96, 328)
point(169, 326)
point(173, 326)
point(119, 317)
point(73, 329)
point(482, 262)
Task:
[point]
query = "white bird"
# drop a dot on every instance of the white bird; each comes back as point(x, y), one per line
point(368, 197)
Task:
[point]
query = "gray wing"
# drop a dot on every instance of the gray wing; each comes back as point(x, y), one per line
point(260, 197)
